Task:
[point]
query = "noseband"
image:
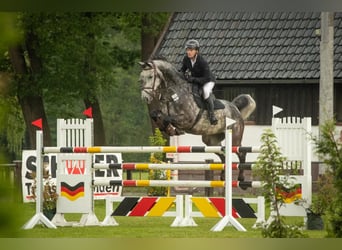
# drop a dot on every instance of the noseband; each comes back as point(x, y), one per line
point(153, 92)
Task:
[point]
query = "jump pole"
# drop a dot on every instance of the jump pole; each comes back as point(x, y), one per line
point(135, 149)
point(228, 218)
point(39, 217)
point(172, 166)
point(171, 183)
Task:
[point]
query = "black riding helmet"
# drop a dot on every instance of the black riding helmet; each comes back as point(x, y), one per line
point(192, 44)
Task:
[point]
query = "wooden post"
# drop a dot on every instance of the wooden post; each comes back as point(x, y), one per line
point(326, 83)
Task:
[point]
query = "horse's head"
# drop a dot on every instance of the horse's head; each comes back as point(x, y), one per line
point(151, 80)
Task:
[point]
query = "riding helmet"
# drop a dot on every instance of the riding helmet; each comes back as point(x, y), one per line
point(192, 44)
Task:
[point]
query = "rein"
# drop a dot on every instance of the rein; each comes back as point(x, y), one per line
point(175, 96)
point(168, 94)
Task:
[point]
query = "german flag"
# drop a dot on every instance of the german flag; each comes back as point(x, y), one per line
point(289, 195)
point(72, 192)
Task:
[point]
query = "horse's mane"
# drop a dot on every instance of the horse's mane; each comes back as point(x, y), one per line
point(169, 71)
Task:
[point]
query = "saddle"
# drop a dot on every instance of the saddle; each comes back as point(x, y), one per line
point(197, 94)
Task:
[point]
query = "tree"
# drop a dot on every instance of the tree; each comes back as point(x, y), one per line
point(329, 148)
point(157, 139)
point(58, 62)
point(29, 92)
point(90, 97)
point(11, 129)
point(71, 60)
point(269, 167)
point(152, 26)
point(10, 212)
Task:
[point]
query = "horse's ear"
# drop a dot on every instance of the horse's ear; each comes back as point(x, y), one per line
point(146, 65)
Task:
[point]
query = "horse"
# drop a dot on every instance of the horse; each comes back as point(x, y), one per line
point(176, 107)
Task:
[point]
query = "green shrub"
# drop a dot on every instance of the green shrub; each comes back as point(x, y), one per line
point(269, 167)
point(329, 149)
point(157, 140)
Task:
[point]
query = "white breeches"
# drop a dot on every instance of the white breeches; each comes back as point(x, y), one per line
point(207, 89)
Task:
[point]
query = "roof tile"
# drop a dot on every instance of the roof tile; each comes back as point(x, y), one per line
point(253, 45)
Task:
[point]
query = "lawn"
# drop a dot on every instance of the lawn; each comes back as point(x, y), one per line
point(15, 215)
point(143, 227)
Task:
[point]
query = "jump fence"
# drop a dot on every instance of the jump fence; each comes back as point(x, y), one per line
point(76, 186)
point(84, 182)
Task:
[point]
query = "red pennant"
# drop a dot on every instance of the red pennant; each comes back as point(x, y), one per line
point(38, 123)
point(88, 112)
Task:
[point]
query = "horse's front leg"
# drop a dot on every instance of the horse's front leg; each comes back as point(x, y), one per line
point(165, 123)
point(223, 160)
point(241, 176)
point(215, 140)
point(242, 159)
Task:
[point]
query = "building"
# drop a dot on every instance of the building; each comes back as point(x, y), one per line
point(275, 57)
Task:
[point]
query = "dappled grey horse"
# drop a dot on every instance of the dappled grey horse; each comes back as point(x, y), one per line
point(176, 106)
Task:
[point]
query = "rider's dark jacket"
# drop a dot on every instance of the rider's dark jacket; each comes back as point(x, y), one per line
point(200, 72)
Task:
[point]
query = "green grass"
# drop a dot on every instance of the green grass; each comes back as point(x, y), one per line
point(129, 227)
point(143, 227)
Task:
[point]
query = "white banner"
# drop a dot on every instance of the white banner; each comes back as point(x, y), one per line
point(50, 165)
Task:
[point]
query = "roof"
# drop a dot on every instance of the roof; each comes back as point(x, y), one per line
point(263, 45)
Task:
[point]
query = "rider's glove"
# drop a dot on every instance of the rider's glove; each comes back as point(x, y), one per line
point(191, 79)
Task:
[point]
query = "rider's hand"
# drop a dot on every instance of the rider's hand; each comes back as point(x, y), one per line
point(191, 79)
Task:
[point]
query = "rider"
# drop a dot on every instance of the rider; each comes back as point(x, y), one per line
point(196, 70)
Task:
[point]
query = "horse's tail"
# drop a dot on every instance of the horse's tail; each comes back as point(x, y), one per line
point(246, 104)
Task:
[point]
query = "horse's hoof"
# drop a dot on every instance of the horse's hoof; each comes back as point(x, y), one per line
point(241, 178)
point(242, 184)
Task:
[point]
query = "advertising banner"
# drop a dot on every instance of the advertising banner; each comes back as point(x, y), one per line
point(71, 167)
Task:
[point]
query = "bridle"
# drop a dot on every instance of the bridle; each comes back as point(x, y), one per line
point(154, 92)
point(166, 94)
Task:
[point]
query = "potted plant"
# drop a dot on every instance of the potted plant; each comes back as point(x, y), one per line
point(50, 195)
point(321, 202)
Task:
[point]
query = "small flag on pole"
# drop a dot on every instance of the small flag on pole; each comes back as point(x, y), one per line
point(88, 112)
point(38, 123)
point(229, 122)
point(276, 110)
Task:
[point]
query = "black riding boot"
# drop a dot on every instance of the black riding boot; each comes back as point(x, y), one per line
point(210, 107)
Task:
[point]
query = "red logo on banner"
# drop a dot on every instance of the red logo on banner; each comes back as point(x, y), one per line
point(75, 166)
